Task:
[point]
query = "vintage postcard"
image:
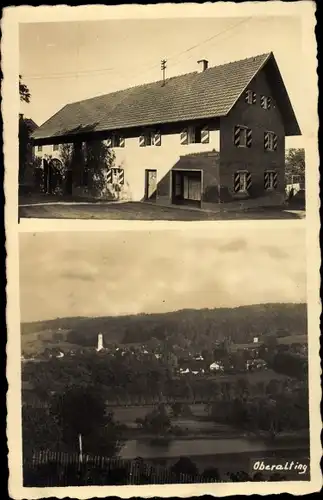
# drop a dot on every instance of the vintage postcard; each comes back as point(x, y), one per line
point(162, 225)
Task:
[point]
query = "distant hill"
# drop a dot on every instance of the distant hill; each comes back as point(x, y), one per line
point(199, 328)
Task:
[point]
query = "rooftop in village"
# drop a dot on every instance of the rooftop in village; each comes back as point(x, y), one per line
point(209, 93)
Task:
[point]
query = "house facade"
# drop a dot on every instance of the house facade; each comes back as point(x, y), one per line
point(215, 136)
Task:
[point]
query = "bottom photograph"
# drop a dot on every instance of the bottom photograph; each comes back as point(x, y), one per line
point(164, 356)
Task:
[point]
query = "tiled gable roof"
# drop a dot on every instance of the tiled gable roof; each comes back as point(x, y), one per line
point(197, 95)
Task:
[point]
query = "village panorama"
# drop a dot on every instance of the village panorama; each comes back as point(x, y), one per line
point(190, 389)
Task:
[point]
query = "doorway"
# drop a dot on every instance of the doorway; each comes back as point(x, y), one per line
point(187, 187)
point(150, 185)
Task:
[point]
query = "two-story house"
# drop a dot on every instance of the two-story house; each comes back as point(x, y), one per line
point(208, 137)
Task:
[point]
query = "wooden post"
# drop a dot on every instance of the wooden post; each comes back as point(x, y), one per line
point(80, 449)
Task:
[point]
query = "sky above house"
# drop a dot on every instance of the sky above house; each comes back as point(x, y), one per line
point(64, 274)
point(63, 62)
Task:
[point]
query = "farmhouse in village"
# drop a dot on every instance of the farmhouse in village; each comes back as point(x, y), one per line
point(213, 136)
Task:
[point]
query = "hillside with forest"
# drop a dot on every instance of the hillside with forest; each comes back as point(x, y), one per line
point(190, 327)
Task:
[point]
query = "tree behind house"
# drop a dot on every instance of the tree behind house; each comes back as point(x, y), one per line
point(24, 92)
point(294, 163)
point(96, 159)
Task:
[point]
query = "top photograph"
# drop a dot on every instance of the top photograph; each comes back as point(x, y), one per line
point(162, 119)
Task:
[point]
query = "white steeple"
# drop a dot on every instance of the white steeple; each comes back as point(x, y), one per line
point(100, 342)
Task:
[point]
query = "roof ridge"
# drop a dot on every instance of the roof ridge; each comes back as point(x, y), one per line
point(170, 78)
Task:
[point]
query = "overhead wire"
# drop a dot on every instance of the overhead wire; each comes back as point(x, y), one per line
point(97, 72)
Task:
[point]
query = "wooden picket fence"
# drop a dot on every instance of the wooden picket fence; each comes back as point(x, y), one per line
point(55, 468)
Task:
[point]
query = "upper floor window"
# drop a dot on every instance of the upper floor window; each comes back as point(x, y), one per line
point(150, 138)
point(242, 136)
point(195, 135)
point(270, 141)
point(115, 141)
point(118, 141)
point(242, 181)
point(55, 147)
point(265, 102)
point(270, 180)
point(250, 97)
point(40, 149)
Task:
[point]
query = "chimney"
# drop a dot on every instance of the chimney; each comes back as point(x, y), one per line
point(204, 64)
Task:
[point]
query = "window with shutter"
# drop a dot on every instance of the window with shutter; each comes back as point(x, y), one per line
point(270, 180)
point(195, 135)
point(250, 97)
point(265, 102)
point(118, 141)
point(241, 181)
point(270, 141)
point(242, 136)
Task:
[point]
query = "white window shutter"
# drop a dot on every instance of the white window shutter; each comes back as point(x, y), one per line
point(248, 180)
point(262, 101)
point(121, 142)
point(266, 180)
point(275, 180)
point(249, 138)
point(236, 182)
point(266, 140)
point(275, 142)
point(205, 135)
point(184, 137)
point(142, 141)
point(109, 142)
point(121, 176)
point(254, 98)
point(109, 176)
point(236, 138)
point(157, 139)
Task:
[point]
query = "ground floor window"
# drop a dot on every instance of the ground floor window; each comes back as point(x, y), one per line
point(115, 176)
point(242, 181)
point(270, 180)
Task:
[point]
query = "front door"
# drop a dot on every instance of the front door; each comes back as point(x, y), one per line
point(150, 184)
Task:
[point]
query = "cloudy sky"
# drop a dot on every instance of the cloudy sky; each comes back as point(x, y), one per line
point(119, 272)
point(63, 62)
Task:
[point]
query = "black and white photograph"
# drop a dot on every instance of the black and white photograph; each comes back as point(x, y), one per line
point(162, 119)
point(162, 250)
point(146, 364)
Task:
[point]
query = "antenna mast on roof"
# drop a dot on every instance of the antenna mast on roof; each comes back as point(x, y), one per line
point(163, 68)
